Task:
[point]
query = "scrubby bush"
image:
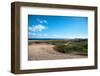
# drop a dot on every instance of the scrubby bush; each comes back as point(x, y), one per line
point(62, 48)
point(71, 48)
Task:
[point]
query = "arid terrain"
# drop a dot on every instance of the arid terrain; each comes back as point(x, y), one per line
point(44, 51)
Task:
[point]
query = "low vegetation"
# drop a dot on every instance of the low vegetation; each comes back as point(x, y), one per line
point(76, 49)
point(74, 46)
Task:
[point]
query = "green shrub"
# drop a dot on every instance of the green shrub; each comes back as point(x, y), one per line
point(79, 49)
point(62, 48)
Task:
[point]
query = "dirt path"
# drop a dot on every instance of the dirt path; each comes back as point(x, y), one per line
point(46, 52)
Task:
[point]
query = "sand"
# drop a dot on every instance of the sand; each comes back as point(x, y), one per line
point(45, 51)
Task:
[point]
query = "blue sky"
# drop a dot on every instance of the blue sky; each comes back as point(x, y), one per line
point(46, 26)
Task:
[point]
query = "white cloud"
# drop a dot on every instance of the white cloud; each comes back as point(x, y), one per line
point(42, 21)
point(55, 35)
point(36, 35)
point(31, 33)
point(30, 28)
point(37, 28)
point(45, 35)
point(45, 21)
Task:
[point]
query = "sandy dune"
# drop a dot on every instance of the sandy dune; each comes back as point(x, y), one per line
point(45, 51)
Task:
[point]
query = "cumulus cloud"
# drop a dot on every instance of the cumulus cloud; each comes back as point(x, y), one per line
point(37, 28)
